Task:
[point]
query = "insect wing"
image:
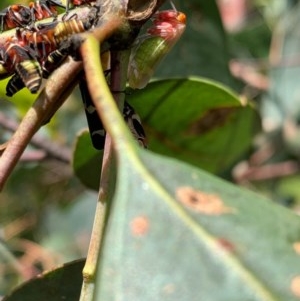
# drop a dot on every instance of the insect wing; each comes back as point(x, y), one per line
point(168, 27)
point(144, 60)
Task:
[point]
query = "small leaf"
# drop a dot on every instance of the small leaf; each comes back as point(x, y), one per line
point(177, 233)
point(63, 283)
point(197, 121)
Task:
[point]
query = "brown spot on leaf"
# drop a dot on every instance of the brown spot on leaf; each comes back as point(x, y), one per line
point(296, 247)
point(225, 244)
point(139, 226)
point(202, 202)
point(295, 286)
point(169, 289)
point(213, 118)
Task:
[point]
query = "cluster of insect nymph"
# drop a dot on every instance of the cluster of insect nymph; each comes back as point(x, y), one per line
point(35, 49)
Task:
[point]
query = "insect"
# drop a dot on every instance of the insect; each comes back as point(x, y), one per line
point(18, 15)
point(22, 16)
point(54, 60)
point(34, 53)
point(49, 36)
point(14, 85)
point(15, 16)
point(42, 9)
point(33, 72)
point(51, 43)
point(11, 54)
point(29, 74)
point(20, 60)
point(95, 125)
point(134, 124)
point(97, 132)
point(168, 26)
point(72, 3)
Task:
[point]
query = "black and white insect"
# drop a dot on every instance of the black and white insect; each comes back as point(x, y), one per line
point(95, 125)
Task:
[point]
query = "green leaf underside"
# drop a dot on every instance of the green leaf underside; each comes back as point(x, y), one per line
point(87, 161)
point(197, 121)
point(158, 248)
point(63, 283)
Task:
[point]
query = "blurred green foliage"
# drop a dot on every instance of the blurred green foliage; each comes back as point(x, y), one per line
point(44, 203)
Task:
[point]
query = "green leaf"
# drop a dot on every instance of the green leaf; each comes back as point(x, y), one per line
point(177, 233)
point(63, 283)
point(197, 121)
point(87, 161)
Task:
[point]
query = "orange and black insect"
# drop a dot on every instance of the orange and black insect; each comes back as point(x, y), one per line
point(22, 16)
point(42, 9)
point(168, 26)
point(54, 60)
point(11, 54)
point(22, 61)
point(18, 15)
point(15, 16)
point(50, 36)
point(34, 53)
point(29, 73)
